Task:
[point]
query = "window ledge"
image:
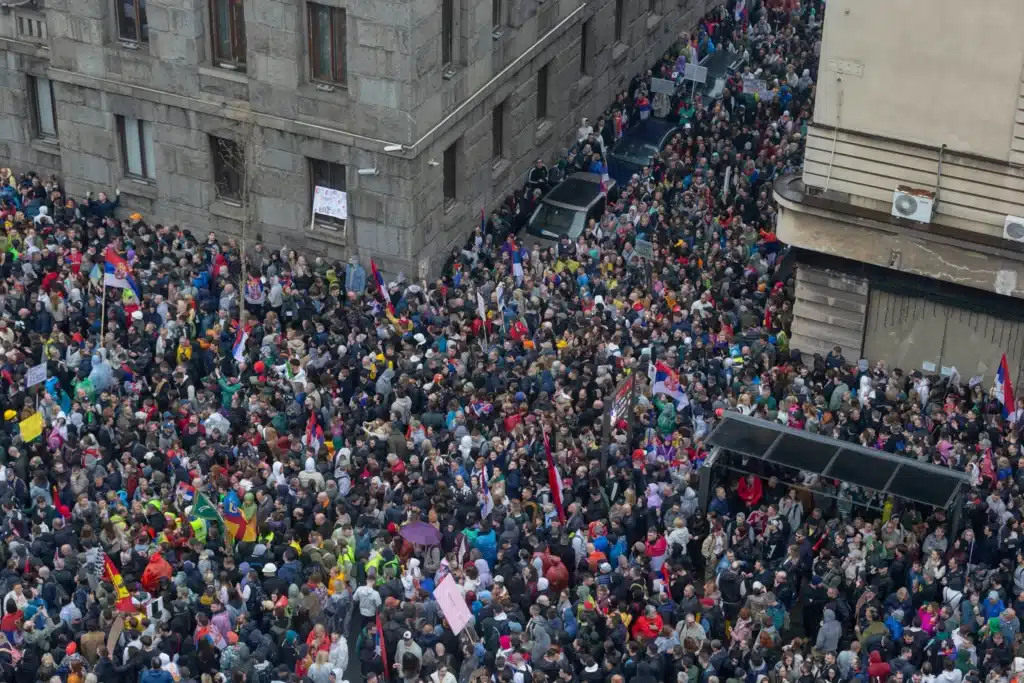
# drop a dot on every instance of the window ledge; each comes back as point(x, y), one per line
point(450, 205)
point(653, 20)
point(235, 212)
point(332, 234)
point(235, 74)
point(497, 33)
point(139, 187)
point(619, 51)
point(544, 129)
point(583, 86)
point(499, 168)
point(126, 44)
point(47, 146)
point(449, 71)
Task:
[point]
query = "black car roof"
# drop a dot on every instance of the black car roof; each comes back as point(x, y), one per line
point(575, 191)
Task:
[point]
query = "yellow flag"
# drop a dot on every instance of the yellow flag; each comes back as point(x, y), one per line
point(31, 427)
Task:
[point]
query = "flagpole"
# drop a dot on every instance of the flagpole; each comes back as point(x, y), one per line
point(103, 309)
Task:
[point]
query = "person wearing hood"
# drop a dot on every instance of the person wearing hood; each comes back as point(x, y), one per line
point(829, 633)
point(310, 475)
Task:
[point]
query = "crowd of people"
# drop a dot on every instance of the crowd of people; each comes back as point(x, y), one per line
point(262, 467)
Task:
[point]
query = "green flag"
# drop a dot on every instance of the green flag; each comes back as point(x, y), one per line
point(202, 508)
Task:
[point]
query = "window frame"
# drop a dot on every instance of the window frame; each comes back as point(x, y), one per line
point(235, 11)
point(141, 21)
point(543, 92)
point(232, 190)
point(449, 180)
point(338, 28)
point(497, 15)
point(498, 133)
point(332, 168)
point(620, 20)
point(585, 30)
point(447, 33)
point(148, 165)
point(37, 119)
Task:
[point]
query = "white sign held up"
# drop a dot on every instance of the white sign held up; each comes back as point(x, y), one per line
point(35, 375)
point(328, 202)
point(453, 605)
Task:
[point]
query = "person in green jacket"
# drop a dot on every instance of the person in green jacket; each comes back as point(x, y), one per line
point(229, 386)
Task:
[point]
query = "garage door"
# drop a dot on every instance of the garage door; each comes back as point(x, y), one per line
point(917, 334)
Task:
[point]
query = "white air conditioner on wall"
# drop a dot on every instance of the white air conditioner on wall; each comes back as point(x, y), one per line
point(913, 204)
point(1013, 229)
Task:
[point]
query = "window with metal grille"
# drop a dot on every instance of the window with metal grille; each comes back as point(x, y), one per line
point(329, 175)
point(228, 169)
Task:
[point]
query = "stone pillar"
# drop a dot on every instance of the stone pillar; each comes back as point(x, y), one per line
point(830, 310)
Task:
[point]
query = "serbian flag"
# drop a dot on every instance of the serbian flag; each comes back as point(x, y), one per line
point(1003, 388)
point(486, 500)
point(483, 222)
point(185, 492)
point(63, 509)
point(666, 381)
point(378, 279)
point(113, 574)
point(238, 526)
point(381, 647)
point(117, 273)
point(238, 350)
point(554, 479)
point(314, 433)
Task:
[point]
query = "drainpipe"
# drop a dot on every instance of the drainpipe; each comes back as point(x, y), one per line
point(938, 175)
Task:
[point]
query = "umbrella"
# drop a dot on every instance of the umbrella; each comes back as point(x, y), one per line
point(420, 533)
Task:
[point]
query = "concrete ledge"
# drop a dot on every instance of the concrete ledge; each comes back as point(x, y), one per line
point(227, 210)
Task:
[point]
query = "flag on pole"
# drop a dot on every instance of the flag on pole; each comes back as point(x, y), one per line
point(483, 222)
point(203, 508)
point(113, 574)
point(554, 479)
point(380, 645)
point(236, 523)
point(1003, 388)
point(314, 433)
point(486, 500)
point(117, 273)
point(378, 279)
point(238, 350)
point(666, 381)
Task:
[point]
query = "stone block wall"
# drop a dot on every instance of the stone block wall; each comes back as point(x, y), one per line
point(397, 92)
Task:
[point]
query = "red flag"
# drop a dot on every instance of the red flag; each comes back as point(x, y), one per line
point(63, 509)
point(383, 649)
point(554, 480)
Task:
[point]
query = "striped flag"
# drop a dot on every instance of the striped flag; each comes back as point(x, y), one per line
point(238, 350)
point(378, 279)
point(486, 499)
point(314, 433)
point(554, 479)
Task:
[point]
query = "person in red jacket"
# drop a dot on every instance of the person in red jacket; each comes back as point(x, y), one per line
point(750, 491)
point(656, 548)
point(877, 668)
point(649, 625)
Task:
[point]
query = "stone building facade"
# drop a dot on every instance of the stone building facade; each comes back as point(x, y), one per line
point(158, 97)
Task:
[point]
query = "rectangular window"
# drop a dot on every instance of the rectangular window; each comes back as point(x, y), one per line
point(131, 20)
point(620, 11)
point(498, 132)
point(44, 107)
point(585, 47)
point(497, 14)
point(450, 181)
point(652, 6)
point(31, 28)
point(332, 176)
point(228, 33)
point(327, 44)
point(447, 31)
point(228, 169)
point(137, 147)
point(542, 92)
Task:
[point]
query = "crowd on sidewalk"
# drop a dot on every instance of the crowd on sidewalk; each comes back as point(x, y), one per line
point(228, 460)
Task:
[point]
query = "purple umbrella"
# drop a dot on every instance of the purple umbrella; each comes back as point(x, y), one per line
point(420, 533)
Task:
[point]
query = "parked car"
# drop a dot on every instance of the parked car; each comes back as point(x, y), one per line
point(567, 208)
point(634, 149)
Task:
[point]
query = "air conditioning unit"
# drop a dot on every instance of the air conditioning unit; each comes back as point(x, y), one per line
point(1013, 229)
point(913, 204)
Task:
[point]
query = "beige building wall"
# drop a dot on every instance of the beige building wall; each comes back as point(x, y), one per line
point(927, 94)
